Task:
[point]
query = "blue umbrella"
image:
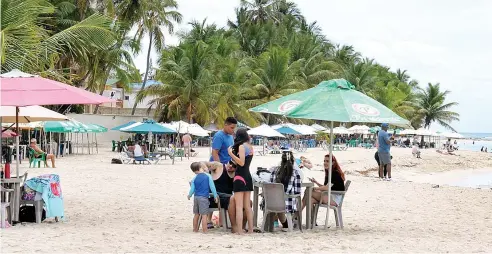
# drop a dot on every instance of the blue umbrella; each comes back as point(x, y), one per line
point(117, 128)
point(288, 130)
point(147, 127)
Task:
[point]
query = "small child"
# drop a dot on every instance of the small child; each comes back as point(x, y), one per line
point(201, 184)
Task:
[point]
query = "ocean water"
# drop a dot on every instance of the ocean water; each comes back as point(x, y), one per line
point(475, 178)
point(476, 145)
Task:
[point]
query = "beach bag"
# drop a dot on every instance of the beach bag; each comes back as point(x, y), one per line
point(27, 213)
point(116, 161)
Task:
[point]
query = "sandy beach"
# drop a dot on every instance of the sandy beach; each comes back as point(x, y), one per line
point(143, 208)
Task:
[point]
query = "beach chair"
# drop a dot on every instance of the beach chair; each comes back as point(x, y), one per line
point(6, 212)
point(125, 158)
point(336, 209)
point(275, 196)
point(33, 160)
point(141, 160)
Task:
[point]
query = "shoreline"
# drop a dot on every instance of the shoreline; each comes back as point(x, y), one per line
point(143, 208)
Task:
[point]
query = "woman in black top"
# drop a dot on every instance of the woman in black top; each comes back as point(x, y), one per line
point(337, 179)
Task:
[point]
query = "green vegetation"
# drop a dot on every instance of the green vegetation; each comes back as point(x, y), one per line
point(267, 51)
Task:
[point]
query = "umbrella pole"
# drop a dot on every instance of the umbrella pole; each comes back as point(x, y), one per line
point(97, 149)
point(82, 144)
point(88, 144)
point(17, 140)
point(329, 171)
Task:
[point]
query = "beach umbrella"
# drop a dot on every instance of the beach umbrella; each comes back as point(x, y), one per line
point(117, 128)
point(451, 135)
point(211, 127)
point(359, 129)
point(335, 101)
point(147, 127)
point(339, 130)
point(288, 130)
point(21, 89)
point(265, 131)
point(6, 133)
point(29, 114)
point(318, 127)
point(197, 130)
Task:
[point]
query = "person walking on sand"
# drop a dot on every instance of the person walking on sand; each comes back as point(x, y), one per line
point(241, 156)
point(222, 141)
point(384, 151)
point(187, 143)
point(200, 186)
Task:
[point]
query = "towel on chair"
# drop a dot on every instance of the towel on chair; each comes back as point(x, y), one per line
point(50, 189)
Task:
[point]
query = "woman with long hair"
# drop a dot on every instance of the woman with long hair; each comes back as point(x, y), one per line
point(241, 156)
point(290, 177)
point(337, 179)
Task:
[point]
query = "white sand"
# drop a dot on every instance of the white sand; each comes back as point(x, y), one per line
point(140, 208)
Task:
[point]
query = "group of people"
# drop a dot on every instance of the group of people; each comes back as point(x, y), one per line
point(227, 175)
point(484, 149)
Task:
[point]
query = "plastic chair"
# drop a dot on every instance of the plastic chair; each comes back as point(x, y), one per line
point(33, 160)
point(114, 145)
point(275, 203)
point(6, 212)
point(336, 209)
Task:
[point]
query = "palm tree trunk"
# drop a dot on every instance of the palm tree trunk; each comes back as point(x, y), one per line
point(146, 72)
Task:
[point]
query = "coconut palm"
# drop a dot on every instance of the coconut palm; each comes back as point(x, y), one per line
point(273, 77)
point(28, 45)
point(152, 16)
point(434, 108)
point(187, 83)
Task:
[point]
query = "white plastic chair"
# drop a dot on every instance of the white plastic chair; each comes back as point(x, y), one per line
point(275, 203)
point(336, 209)
point(6, 212)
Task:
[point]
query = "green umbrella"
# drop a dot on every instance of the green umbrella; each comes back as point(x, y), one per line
point(335, 101)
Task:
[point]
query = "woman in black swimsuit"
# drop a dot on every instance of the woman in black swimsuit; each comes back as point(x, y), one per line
point(243, 183)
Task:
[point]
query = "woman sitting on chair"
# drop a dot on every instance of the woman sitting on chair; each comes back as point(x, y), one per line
point(38, 153)
point(337, 179)
point(290, 177)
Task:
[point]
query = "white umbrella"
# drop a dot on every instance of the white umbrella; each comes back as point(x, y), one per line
point(318, 127)
point(265, 131)
point(197, 130)
point(452, 135)
point(425, 132)
point(303, 129)
point(359, 129)
point(339, 130)
point(29, 114)
point(407, 132)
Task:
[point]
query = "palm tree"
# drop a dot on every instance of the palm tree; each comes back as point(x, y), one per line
point(187, 83)
point(273, 77)
point(152, 15)
point(362, 75)
point(433, 107)
point(29, 46)
point(260, 11)
point(402, 75)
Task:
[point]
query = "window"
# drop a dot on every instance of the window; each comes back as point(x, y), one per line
point(127, 97)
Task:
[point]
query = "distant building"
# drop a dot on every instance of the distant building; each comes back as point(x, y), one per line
point(115, 90)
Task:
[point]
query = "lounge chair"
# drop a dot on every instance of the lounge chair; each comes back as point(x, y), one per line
point(275, 203)
point(125, 158)
point(336, 209)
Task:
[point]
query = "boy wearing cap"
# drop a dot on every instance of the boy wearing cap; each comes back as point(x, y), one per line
point(384, 151)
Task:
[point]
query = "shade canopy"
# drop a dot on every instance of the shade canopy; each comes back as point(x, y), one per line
point(288, 130)
point(339, 130)
point(333, 100)
point(8, 133)
point(22, 89)
point(211, 127)
point(265, 131)
point(183, 127)
point(29, 114)
point(408, 132)
point(117, 128)
point(318, 127)
point(425, 132)
point(147, 126)
point(359, 129)
point(72, 126)
point(451, 135)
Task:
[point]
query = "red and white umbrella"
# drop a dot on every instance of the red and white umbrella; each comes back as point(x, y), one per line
point(8, 133)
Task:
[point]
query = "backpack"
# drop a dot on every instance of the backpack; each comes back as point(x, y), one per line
point(27, 213)
point(116, 161)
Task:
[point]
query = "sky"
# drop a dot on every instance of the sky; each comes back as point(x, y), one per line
point(445, 41)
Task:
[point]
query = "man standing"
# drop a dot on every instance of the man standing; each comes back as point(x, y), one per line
point(384, 151)
point(223, 140)
point(187, 143)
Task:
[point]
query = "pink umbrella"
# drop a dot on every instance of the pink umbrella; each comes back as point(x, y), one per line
point(23, 89)
point(8, 133)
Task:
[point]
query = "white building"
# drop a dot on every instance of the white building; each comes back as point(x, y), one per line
point(126, 99)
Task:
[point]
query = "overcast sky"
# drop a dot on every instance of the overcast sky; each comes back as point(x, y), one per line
point(444, 41)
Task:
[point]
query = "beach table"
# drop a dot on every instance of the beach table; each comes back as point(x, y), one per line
point(14, 183)
point(256, 193)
